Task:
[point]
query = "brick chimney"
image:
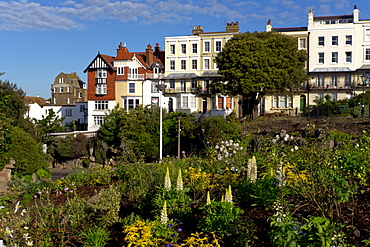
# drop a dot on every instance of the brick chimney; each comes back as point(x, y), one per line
point(197, 30)
point(232, 27)
point(149, 56)
point(119, 47)
point(157, 49)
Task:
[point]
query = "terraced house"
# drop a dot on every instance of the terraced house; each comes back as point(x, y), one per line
point(127, 79)
point(190, 68)
point(338, 49)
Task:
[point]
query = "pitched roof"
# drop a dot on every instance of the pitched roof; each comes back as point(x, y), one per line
point(31, 100)
point(123, 53)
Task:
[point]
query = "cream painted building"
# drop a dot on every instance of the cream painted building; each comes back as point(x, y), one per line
point(338, 49)
point(190, 68)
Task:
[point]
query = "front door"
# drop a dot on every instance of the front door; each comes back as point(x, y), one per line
point(204, 105)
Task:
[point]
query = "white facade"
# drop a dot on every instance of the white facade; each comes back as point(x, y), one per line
point(70, 113)
point(97, 111)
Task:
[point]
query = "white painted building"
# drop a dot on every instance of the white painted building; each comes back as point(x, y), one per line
point(338, 49)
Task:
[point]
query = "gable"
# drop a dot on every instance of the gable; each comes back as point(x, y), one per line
point(100, 62)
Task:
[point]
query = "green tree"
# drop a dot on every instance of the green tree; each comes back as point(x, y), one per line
point(48, 124)
point(257, 64)
point(132, 135)
point(13, 105)
point(26, 152)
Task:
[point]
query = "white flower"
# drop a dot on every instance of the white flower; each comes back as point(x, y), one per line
point(295, 148)
point(29, 243)
point(17, 207)
point(167, 180)
point(179, 183)
point(2, 243)
point(164, 217)
point(26, 236)
point(9, 232)
point(23, 212)
point(217, 147)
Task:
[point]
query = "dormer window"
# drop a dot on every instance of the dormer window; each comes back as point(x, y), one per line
point(61, 80)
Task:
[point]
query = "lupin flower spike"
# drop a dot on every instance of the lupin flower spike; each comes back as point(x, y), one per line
point(167, 180)
point(179, 184)
point(164, 217)
point(208, 198)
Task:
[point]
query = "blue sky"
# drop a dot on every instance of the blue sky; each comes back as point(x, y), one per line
point(40, 39)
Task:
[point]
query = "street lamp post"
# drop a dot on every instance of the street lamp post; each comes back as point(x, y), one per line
point(363, 78)
point(178, 138)
point(161, 88)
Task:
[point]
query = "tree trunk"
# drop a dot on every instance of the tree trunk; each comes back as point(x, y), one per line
point(250, 105)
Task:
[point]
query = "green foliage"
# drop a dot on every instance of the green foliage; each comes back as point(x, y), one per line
point(212, 130)
point(26, 152)
point(95, 237)
point(14, 107)
point(178, 202)
point(264, 192)
point(224, 219)
point(51, 123)
point(321, 232)
point(69, 147)
point(259, 64)
point(134, 135)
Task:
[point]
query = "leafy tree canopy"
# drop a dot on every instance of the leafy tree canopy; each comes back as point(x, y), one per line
point(258, 64)
point(48, 124)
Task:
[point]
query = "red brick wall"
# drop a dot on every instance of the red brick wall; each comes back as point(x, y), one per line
point(111, 90)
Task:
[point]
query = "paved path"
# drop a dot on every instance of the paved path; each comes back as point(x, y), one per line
point(60, 173)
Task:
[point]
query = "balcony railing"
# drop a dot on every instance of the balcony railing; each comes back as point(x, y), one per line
point(135, 76)
point(154, 76)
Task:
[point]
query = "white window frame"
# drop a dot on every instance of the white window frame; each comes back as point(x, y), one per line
point(282, 101)
point(206, 63)
point(172, 65)
point(183, 64)
point(321, 42)
point(348, 57)
point(367, 54)
point(321, 80)
point(172, 49)
point(98, 120)
point(321, 58)
point(192, 102)
point(61, 80)
point(61, 89)
point(131, 88)
point(184, 102)
point(101, 73)
point(194, 47)
point(101, 105)
point(367, 34)
point(68, 112)
point(183, 49)
point(120, 70)
point(334, 57)
point(348, 41)
point(218, 48)
point(194, 64)
point(206, 46)
point(101, 88)
point(302, 43)
point(334, 40)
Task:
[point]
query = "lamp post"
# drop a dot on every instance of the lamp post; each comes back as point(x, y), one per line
point(178, 138)
point(363, 78)
point(161, 88)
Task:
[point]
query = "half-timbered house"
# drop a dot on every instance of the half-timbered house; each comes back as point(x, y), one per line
point(127, 80)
